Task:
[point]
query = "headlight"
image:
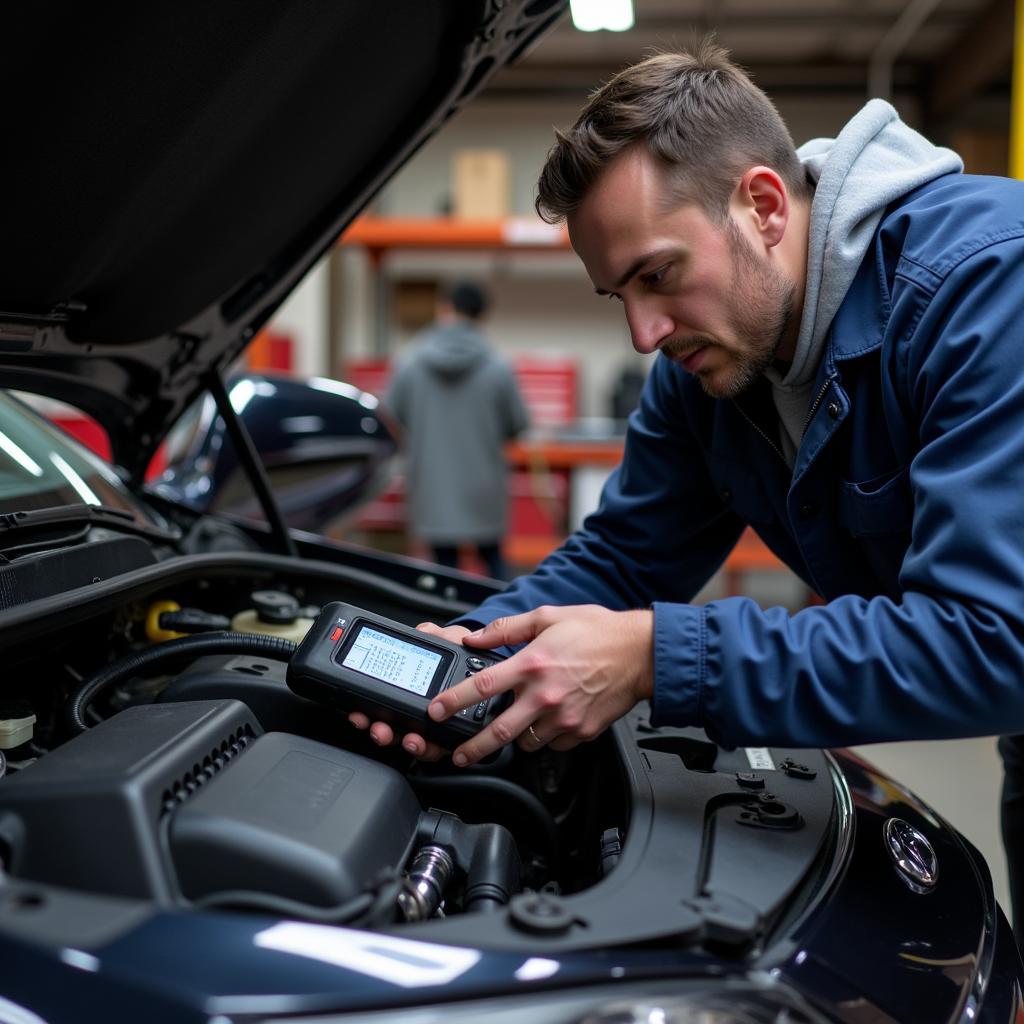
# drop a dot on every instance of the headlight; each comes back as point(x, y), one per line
point(759, 1000)
point(724, 1004)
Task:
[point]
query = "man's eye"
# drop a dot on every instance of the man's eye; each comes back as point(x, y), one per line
point(655, 277)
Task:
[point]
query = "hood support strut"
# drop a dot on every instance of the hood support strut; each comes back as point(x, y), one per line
point(252, 464)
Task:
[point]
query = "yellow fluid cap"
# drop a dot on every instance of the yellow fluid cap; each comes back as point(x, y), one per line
point(153, 613)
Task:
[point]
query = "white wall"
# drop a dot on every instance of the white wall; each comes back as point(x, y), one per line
point(524, 129)
point(304, 317)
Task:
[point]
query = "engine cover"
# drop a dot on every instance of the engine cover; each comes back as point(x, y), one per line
point(89, 814)
point(191, 798)
point(295, 818)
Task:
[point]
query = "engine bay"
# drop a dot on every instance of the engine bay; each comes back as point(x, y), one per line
point(198, 780)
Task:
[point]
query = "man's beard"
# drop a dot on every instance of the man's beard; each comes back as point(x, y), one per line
point(761, 312)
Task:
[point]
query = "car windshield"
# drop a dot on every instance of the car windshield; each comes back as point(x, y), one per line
point(42, 467)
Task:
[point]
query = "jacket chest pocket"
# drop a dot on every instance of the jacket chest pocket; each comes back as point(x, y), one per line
point(878, 516)
point(877, 508)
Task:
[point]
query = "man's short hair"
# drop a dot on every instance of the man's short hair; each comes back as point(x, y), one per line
point(467, 299)
point(698, 113)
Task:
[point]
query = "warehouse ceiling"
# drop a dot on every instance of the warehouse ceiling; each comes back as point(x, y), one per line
point(945, 53)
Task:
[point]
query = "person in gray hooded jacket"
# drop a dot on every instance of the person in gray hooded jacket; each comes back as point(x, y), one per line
point(459, 403)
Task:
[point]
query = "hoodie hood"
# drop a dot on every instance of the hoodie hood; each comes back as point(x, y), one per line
point(875, 160)
point(454, 349)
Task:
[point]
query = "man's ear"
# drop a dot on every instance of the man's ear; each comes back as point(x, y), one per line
point(761, 196)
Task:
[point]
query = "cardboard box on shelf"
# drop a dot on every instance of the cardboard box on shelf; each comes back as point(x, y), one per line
point(414, 303)
point(480, 184)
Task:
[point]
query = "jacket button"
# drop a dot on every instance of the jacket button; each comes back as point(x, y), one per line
point(807, 510)
point(833, 410)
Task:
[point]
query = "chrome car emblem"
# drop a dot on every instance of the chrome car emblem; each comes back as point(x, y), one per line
point(912, 854)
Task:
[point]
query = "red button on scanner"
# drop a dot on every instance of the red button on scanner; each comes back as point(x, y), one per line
point(336, 633)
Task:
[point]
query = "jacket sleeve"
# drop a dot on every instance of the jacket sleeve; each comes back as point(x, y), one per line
point(661, 529)
point(947, 658)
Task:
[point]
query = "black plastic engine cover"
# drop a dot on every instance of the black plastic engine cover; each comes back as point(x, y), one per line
point(194, 798)
point(297, 819)
point(88, 815)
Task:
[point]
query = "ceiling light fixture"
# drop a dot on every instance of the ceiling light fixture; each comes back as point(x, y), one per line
point(593, 15)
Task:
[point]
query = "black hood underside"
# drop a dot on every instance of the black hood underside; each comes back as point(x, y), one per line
point(173, 169)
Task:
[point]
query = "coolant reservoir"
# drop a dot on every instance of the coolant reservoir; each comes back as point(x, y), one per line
point(274, 613)
point(16, 721)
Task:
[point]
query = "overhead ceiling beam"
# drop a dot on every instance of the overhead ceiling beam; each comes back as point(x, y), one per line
point(980, 56)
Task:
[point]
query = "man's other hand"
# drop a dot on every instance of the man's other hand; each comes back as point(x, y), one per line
point(583, 667)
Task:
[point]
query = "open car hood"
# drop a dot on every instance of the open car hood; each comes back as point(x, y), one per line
point(174, 169)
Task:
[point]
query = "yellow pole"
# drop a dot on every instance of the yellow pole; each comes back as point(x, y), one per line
point(1017, 96)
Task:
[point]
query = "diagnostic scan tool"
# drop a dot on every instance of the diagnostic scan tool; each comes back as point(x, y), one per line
point(359, 661)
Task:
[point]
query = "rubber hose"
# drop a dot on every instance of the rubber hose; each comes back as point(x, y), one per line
point(188, 647)
point(493, 788)
point(493, 876)
point(487, 854)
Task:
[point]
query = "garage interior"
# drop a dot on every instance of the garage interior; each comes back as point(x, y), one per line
point(463, 207)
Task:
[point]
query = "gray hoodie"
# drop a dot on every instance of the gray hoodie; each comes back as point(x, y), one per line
point(452, 349)
point(875, 160)
point(459, 403)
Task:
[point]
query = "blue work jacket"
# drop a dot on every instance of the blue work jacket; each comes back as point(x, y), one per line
point(904, 509)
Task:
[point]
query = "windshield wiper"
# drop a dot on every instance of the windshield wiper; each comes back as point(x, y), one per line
point(62, 524)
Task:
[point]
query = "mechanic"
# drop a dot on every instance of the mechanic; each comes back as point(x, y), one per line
point(841, 368)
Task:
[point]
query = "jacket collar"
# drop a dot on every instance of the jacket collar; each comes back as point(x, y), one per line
point(859, 323)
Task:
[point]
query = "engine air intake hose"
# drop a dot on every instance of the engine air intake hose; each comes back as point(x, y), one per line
point(493, 876)
point(184, 649)
point(487, 796)
point(486, 854)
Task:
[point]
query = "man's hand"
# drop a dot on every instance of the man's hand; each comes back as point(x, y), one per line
point(383, 735)
point(583, 667)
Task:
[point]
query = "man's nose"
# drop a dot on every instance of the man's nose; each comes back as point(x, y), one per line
point(648, 327)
